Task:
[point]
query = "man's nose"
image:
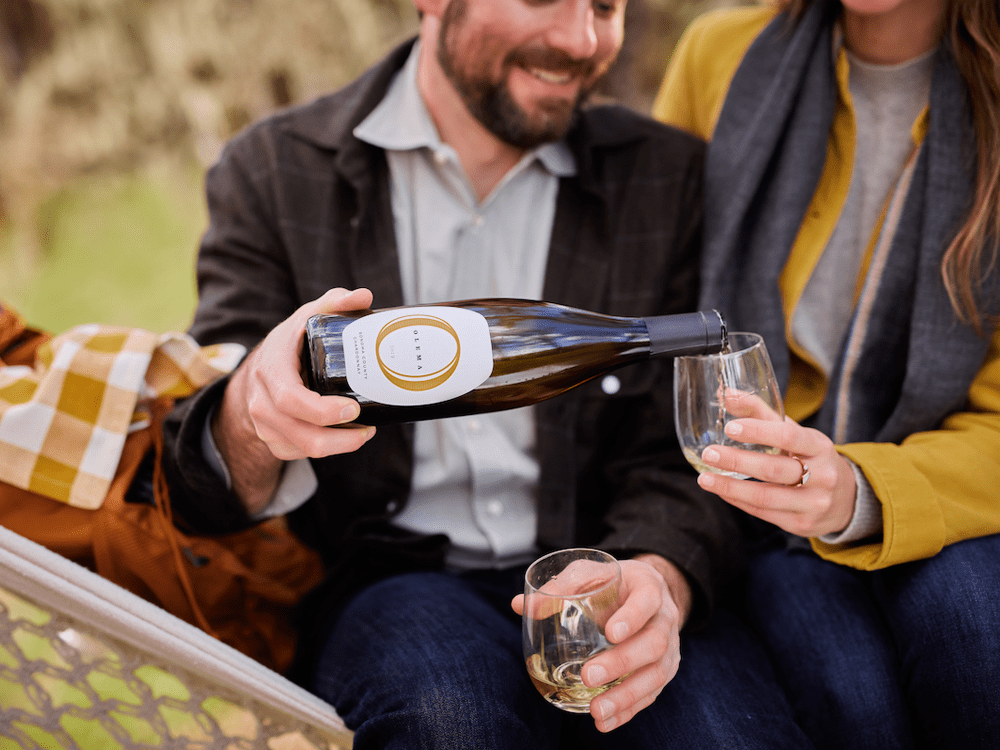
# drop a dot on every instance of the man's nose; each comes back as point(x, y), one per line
point(573, 31)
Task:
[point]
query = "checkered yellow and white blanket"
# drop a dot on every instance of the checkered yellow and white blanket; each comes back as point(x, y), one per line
point(63, 422)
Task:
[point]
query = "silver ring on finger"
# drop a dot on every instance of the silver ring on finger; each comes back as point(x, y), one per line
point(805, 472)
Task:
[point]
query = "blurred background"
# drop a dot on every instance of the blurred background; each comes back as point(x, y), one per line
point(111, 110)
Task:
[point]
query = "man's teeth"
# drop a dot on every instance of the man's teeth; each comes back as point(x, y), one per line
point(551, 77)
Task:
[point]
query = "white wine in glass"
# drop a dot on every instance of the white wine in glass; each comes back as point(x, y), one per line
point(569, 595)
point(713, 389)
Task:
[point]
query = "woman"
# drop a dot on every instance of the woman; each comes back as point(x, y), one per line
point(853, 211)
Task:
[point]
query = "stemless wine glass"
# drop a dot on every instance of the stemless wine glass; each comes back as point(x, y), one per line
point(569, 595)
point(712, 389)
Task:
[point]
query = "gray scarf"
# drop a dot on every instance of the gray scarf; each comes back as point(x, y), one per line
point(765, 159)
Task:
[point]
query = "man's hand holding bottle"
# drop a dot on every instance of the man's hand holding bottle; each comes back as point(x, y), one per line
point(268, 415)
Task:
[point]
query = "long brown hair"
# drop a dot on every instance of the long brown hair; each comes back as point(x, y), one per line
point(972, 28)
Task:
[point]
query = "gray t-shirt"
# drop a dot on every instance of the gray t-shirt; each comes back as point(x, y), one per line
point(887, 99)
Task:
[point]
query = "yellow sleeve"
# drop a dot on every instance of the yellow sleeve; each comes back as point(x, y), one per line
point(702, 67)
point(937, 487)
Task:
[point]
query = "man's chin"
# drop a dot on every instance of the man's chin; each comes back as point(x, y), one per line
point(548, 120)
point(520, 121)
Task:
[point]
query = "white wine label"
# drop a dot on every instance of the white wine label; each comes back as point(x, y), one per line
point(417, 355)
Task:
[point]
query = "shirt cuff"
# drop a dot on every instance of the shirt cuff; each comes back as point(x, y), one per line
point(867, 519)
point(298, 480)
point(211, 453)
point(298, 484)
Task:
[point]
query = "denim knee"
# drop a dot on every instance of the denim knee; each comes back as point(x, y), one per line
point(944, 613)
point(831, 649)
point(423, 661)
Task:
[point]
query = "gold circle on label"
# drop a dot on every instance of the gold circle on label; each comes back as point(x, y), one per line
point(423, 382)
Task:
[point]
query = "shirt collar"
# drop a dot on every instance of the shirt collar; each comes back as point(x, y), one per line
point(401, 122)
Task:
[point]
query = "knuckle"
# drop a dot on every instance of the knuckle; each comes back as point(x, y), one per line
point(283, 453)
point(656, 693)
point(312, 446)
point(357, 438)
point(257, 411)
point(773, 471)
point(660, 675)
point(727, 460)
point(625, 715)
point(760, 494)
point(660, 640)
point(617, 663)
point(668, 608)
point(626, 697)
point(646, 701)
point(825, 475)
point(823, 504)
point(272, 439)
point(786, 432)
point(283, 399)
point(797, 527)
point(801, 526)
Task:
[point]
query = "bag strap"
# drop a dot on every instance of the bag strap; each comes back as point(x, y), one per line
point(161, 495)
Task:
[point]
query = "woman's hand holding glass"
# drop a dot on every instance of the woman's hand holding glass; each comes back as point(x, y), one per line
point(712, 389)
point(807, 490)
point(732, 428)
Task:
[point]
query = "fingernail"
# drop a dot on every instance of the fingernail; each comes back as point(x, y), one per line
point(706, 480)
point(370, 433)
point(610, 724)
point(598, 675)
point(734, 428)
point(711, 455)
point(349, 413)
point(620, 632)
point(605, 709)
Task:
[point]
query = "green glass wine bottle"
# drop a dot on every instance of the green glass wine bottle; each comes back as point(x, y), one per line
point(408, 364)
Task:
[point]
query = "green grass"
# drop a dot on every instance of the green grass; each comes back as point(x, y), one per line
point(113, 250)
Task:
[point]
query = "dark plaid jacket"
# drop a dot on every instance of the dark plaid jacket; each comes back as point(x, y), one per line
point(298, 205)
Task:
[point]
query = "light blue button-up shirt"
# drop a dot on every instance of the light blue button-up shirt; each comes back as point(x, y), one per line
point(474, 477)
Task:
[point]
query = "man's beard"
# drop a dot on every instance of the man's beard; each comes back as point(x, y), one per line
point(491, 103)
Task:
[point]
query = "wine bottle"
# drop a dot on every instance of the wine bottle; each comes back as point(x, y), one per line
point(408, 364)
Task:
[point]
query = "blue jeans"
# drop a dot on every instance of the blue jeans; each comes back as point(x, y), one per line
point(904, 657)
point(434, 660)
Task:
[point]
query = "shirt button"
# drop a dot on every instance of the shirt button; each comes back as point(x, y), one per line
point(392, 506)
point(494, 508)
point(611, 385)
point(441, 157)
point(474, 425)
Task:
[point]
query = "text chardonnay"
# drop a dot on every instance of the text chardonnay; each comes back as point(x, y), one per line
point(408, 364)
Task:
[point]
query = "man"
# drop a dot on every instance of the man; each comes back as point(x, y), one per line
point(464, 166)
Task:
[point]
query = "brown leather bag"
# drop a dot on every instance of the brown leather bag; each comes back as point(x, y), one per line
point(240, 588)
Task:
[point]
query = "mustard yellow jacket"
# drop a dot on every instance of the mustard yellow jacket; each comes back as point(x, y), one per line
point(936, 487)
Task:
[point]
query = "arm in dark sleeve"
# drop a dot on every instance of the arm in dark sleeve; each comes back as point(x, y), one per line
point(245, 289)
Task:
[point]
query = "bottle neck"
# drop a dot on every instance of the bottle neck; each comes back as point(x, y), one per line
point(686, 334)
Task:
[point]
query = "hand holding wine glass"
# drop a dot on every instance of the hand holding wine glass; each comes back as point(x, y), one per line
point(732, 427)
point(808, 489)
point(569, 596)
point(644, 631)
point(711, 390)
